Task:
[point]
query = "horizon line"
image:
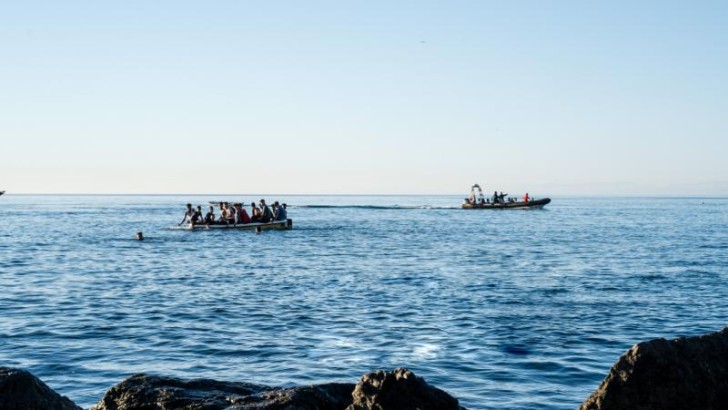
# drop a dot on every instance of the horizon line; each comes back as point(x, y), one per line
point(590, 195)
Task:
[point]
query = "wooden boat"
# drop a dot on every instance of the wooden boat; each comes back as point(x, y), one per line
point(282, 225)
point(532, 204)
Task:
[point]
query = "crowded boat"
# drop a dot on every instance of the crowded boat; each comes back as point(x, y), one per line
point(235, 215)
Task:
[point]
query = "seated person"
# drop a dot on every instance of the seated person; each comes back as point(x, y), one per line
point(254, 213)
point(243, 217)
point(210, 216)
point(266, 214)
point(282, 213)
point(279, 214)
point(222, 219)
point(188, 214)
point(230, 214)
point(196, 216)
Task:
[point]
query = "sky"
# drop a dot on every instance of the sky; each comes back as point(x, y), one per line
point(364, 97)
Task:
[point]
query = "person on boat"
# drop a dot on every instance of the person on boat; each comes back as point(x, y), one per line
point(495, 197)
point(282, 213)
point(221, 219)
point(188, 214)
point(232, 213)
point(210, 216)
point(243, 217)
point(224, 213)
point(196, 217)
point(266, 214)
point(481, 198)
point(278, 212)
point(526, 198)
point(502, 197)
point(229, 213)
point(254, 213)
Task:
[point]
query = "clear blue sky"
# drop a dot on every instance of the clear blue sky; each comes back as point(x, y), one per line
point(563, 97)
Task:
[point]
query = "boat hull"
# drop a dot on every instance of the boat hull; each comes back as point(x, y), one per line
point(280, 225)
point(534, 204)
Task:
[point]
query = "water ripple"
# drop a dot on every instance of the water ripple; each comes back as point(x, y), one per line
point(505, 310)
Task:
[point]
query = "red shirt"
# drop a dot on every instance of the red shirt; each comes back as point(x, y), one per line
point(243, 216)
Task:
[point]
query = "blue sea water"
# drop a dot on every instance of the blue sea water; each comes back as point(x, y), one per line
point(502, 309)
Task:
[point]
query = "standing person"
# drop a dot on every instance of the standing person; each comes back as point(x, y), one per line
point(266, 214)
point(188, 214)
point(502, 197)
point(526, 198)
point(495, 197)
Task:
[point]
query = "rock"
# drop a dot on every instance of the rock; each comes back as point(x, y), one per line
point(331, 396)
point(150, 392)
point(399, 390)
point(686, 373)
point(22, 391)
point(396, 390)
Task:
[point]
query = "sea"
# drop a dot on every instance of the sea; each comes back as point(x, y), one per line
point(503, 309)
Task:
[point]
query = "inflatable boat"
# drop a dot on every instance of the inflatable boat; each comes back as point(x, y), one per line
point(477, 201)
point(532, 204)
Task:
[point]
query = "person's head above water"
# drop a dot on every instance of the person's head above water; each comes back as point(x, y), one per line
point(140, 236)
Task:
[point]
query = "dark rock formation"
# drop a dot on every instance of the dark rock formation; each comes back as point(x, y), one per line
point(22, 391)
point(331, 396)
point(686, 373)
point(150, 392)
point(399, 390)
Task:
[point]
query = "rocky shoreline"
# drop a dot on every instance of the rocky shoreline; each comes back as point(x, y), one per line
point(684, 373)
point(398, 389)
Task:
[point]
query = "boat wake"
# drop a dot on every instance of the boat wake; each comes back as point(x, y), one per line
point(374, 207)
